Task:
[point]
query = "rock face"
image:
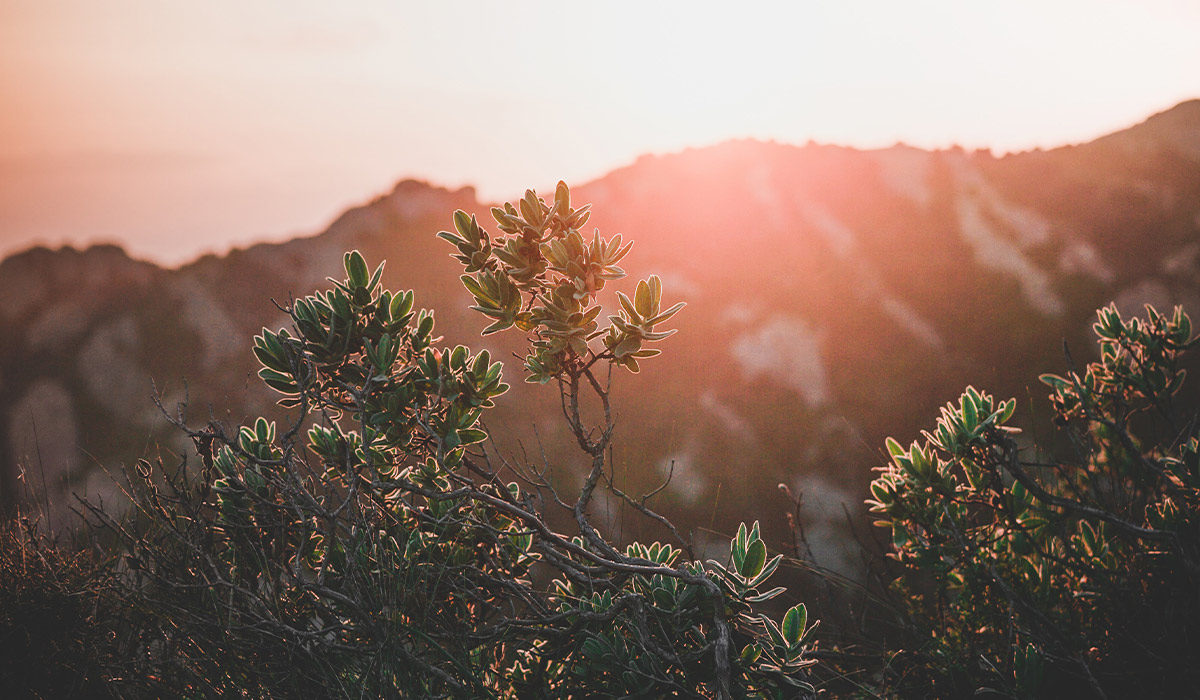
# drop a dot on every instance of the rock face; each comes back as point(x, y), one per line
point(71, 362)
point(836, 296)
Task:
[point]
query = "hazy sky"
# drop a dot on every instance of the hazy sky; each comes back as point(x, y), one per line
point(177, 127)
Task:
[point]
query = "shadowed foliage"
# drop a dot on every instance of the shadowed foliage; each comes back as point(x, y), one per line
point(1031, 573)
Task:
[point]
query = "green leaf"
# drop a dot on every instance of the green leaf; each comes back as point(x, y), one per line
point(773, 631)
point(278, 381)
point(1053, 381)
point(465, 223)
point(593, 648)
point(750, 653)
point(458, 357)
point(356, 269)
point(756, 557)
point(970, 411)
point(761, 597)
point(768, 569)
point(498, 326)
point(471, 436)
point(794, 622)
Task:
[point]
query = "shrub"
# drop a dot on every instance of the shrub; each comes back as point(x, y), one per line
point(56, 633)
point(374, 547)
point(1059, 577)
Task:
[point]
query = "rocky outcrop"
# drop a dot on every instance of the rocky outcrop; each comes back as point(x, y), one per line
point(70, 355)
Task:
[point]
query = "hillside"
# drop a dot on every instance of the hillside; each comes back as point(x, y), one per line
point(835, 296)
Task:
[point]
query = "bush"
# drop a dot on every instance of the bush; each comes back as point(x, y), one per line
point(374, 547)
point(377, 545)
point(57, 639)
point(1075, 576)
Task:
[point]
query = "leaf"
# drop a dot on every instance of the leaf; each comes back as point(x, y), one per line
point(768, 569)
point(269, 359)
point(1053, 381)
point(593, 648)
point(627, 346)
point(756, 557)
point(773, 631)
point(562, 199)
point(655, 284)
point(465, 223)
point(738, 554)
point(263, 431)
point(278, 381)
point(471, 436)
point(356, 269)
point(641, 299)
point(376, 276)
point(629, 308)
point(794, 622)
point(761, 597)
point(970, 411)
point(750, 654)
point(666, 315)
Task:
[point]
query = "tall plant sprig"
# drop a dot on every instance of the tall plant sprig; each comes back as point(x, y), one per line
point(541, 275)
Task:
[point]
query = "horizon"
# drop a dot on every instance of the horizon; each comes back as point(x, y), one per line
point(186, 257)
point(208, 128)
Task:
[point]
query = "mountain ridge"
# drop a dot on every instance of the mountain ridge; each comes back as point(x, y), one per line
point(1186, 113)
point(836, 295)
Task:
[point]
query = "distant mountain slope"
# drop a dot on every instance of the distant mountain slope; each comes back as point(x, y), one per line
point(835, 296)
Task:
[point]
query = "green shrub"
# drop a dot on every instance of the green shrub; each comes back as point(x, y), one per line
point(374, 547)
point(1076, 576)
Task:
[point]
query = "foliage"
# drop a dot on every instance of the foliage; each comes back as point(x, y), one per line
point(373, 546)
point(377, 545)
point(1075, 576)
point(56, 639)
point(543, 277)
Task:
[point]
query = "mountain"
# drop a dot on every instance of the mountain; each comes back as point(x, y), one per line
point(835, 296)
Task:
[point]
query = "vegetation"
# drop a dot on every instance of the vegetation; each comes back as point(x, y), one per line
point(56, 636)
point(376, 545)
point(1068, 577)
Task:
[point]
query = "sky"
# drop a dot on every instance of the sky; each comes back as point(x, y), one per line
point(177, 128)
